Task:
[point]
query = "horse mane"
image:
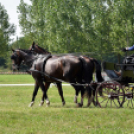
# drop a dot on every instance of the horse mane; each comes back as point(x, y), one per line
point(31, 52)
point(26, 51)
point(43, 49)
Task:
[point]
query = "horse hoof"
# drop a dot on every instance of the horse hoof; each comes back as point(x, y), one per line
point(95, 104)
point(31, 104)
point(79, 105)
point(88, 104)
point(75, 101)
point(47, 104)
point(41, 103)
point(63, 103)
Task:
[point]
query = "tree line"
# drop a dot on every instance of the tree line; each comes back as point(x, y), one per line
point(99, 26)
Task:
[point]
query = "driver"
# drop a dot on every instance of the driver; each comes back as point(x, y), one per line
point(128, 48)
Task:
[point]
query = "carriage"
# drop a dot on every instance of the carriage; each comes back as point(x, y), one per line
point(117, 90)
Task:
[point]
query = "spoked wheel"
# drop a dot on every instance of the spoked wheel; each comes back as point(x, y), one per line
point(110, 94)
point(129, 97)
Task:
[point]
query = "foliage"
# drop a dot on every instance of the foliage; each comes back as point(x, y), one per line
point(6, 30)
point(78, 26)
point(67, 26)
point(22, 42)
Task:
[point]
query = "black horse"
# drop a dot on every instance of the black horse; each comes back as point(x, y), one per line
point(87, 66)
point(66, 68)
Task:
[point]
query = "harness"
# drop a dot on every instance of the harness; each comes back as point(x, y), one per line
point(45, 59)
point(60, 80)
point(43, 73)
point(42, 59)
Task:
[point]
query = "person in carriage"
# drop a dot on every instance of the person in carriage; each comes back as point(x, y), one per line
point(128, 59)
point(117, 74)
point(128, 48)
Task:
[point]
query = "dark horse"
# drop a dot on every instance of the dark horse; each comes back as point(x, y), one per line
point(66, 68)
point(87, 66)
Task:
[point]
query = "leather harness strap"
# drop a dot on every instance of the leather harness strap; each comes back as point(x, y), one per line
point(44, 63)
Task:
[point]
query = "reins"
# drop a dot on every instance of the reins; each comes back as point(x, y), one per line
point(51, 77)
point(31, 60)
point(60, 80)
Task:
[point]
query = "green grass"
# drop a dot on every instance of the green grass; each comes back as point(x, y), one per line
point(17, 118)
point(16, 79)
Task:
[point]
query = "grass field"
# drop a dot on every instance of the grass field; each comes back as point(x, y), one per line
point(17, 118)
point(16, 79)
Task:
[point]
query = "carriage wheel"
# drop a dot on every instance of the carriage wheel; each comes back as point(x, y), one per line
point(129, 98)
point(109, 97)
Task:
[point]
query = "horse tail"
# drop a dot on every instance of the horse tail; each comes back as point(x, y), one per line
point(85, 69)
point(87, 76)
point(98, 71)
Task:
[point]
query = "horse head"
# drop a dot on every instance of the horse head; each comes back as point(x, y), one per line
point(21, 56)
point(34, 47)
point(16, 59)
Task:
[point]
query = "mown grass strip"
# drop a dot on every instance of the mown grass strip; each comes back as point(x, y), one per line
point(17, 118)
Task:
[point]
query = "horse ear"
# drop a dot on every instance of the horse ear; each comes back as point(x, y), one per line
point(33, 44)
point(13, 50)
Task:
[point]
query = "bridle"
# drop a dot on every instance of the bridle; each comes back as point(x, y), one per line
point(25, 61)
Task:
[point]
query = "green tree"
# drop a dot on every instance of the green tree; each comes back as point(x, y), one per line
point(22, 42)
point(80, 25)
point(6, 30)
point(63, 26)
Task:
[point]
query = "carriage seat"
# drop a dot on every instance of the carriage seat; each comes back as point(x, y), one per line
point(109, 69)
point(111, 74)
point(127, 76)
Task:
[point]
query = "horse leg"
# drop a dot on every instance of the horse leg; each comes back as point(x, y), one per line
point(90, 94)
point(94, 102)
point(77, 90)
point(90, 97)
point(94, 91)
point(36, 87)
point(42, 86)
point(76, 87)
point(81, 88)
point(89, 89)
point(76, 95)
point(59, 86)
point(46, 88)
point(82, 98)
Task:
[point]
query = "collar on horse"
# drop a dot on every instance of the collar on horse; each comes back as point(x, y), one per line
point(43, 73)
point(45, 59)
